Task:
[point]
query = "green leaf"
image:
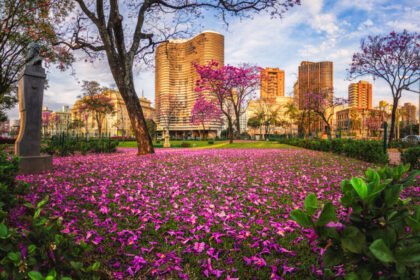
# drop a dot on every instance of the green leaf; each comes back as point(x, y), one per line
point(31, 249)
point(360, 187)
point(66, 278)
point(381, 251)
point(351, 276)
point(327, 215)
point(310, 204)
point(76, 265)
point(301, 218)
point(14, 257)
point(35, 275)
point(37, 213)
point(410, 254)
point(29, 205)
point(353, 240)
point(4, 232)
point(42, 202)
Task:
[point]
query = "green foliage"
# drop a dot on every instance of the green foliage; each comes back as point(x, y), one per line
point(378, 236)
point(210, 142)
point(370, 151)
point(186, 145)
point(31, 243)
point(411, 156)
point(64, 145)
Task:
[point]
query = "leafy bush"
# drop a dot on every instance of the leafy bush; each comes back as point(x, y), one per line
point(186, 145)
point(370, 151)
point(401, 145)
point(31, 243)
point(64, 145)
point(411, 156)
point(5, 140)
point(378, 236)
point(210, 142)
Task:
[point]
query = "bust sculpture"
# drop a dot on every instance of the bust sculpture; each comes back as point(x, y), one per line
point(32, 54)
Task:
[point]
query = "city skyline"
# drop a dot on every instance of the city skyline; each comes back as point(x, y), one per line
point(315, 31)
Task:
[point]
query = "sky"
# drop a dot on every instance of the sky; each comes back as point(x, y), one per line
point(317, 30)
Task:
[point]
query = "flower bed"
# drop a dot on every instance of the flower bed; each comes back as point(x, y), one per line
point(195, 213)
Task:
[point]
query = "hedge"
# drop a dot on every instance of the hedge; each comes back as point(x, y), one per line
point(411, 156)
point(370, 151)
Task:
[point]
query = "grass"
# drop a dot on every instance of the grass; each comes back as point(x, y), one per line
point(216, 145)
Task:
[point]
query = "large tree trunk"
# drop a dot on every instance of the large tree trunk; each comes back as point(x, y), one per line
point(230, 130)
point(393, 117)
point(238, 124)
point(135, 112)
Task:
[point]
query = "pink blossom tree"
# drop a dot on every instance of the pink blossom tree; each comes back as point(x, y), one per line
point(322, 103)
point(394, 58)
point(233, 88)
point(205, 112)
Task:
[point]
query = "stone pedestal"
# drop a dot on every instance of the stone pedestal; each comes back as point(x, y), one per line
point(35, 164)
point(166, 144)
point(28, 142)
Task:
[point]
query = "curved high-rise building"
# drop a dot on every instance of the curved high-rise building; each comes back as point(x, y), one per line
point(314, 77)
point(175, 81)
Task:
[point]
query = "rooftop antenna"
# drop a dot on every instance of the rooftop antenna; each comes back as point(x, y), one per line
point(142, 93)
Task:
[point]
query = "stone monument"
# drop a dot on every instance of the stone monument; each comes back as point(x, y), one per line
point(166, 144)
point(30, 94)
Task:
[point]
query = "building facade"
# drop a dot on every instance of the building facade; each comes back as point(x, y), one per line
point(272, 84)
point(360, 95)
point(408, 114)
point(175, 81)
point(359, 122)
point(116, 123)
point(314, 77)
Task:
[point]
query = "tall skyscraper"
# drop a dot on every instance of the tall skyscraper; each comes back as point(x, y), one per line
point(408, 113)
point(314, 77)
point(360, 95)
point(175, 80)
point(272, 83)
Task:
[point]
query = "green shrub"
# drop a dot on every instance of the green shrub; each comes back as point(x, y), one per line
point(63, 145)
point(370, 151)
point(186, 145)
point(378, 236)
point(411, 156)
point(210, 142)
point(31, 243)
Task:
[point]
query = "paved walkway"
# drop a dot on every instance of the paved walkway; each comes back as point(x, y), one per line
point(394, 156)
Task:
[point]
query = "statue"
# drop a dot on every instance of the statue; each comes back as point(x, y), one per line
point(32, 54)
point(31, 92)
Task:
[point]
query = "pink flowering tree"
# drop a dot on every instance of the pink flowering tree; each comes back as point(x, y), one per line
point(232, 87)
point(323, 104)
point(394, 58)
point(205, 112)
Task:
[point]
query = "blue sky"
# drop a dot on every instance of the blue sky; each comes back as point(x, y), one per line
point(315, 31)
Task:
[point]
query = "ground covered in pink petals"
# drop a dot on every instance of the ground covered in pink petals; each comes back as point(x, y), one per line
point(194, 213)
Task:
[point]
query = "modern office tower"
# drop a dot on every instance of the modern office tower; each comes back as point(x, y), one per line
point(175, 80)
point(408, 113)
point(360, 95)
point(314, 77)
point(272, 83)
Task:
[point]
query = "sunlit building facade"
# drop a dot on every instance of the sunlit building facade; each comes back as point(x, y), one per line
point(408, 114)
point(116, 123)
point(272, 84)
point(175, 82)
point(360, 95)
point(314, 77)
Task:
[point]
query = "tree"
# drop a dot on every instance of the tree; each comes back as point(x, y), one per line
point(95, 101)
point(232, 87)
point(151, 127)
point(128, 31)
point(205, 112)
point(393, 58)
point(292, 111)
point(22, 22)
point(169, 111)
point(76, 125)
point(322, 103)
